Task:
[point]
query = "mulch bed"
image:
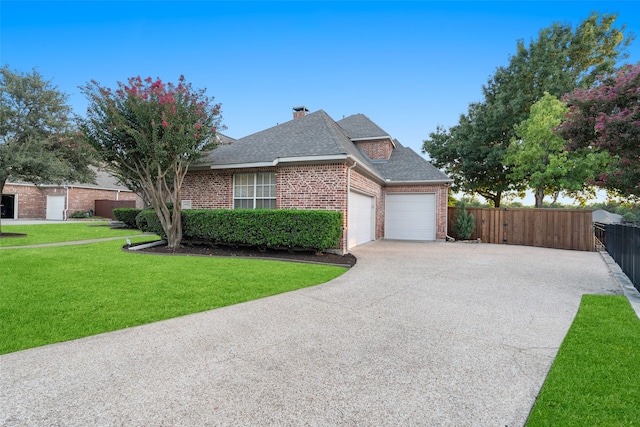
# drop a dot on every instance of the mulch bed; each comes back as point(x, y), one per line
point(251, 252)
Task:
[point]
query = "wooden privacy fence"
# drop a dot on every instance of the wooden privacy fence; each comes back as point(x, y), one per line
point(104, 208)
point(547, 228)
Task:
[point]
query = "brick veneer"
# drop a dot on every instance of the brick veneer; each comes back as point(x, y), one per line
point(377, 149)
point(32, 200)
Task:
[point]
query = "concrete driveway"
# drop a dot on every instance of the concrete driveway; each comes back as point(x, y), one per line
point(415, 334)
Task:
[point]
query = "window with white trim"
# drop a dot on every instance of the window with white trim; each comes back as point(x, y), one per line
point(254, 190)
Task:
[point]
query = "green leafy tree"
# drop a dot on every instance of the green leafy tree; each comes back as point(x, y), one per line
point(39, 142)
point(538, 159)
point(559, 60)
point(148, 133)
point(607, 118)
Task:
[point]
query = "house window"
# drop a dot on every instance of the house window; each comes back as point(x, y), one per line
point(254, 190)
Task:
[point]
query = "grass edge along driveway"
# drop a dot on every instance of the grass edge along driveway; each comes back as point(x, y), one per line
point(595, 377)
point(55, 294)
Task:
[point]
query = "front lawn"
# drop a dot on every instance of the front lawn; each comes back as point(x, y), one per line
point(595, 378)
point(62, 232)
point(55, 294)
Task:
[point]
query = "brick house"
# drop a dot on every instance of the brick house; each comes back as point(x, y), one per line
point(384, 190)
point(21, 200)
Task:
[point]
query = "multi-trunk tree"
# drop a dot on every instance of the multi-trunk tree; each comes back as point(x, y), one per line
point(561, 59)
point(39, 142)
point(148, 133)
point(607, 118)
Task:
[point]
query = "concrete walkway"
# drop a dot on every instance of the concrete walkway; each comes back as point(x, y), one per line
point(446, 334)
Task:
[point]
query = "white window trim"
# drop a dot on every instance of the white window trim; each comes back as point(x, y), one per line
point(254, 198)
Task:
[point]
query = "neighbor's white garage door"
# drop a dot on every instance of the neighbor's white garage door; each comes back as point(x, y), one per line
point(55, 207)
point(361, 219)
point(410, 216)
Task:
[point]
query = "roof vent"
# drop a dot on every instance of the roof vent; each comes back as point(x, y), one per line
point(299, 112)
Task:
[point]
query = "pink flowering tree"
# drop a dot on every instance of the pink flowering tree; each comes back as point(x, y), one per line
point(607, 118)
point(148, 132)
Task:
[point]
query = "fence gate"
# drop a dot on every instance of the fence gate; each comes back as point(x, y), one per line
point(104, 208)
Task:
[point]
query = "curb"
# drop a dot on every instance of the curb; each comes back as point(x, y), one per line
point(623, 281)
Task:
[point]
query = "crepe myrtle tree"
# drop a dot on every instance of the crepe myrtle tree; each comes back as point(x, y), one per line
point(148, 132)
point(607, 118)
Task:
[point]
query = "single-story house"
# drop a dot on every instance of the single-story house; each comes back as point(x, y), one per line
point(23, 200)
point(384, 190)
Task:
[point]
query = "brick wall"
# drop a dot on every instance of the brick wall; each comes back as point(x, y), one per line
point(441, 192)
point(376, 149)
point(32, 201)
point(208, 189)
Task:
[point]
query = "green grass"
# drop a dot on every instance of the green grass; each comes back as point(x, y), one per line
point(51, 233)
point(55, 294)
point(595, 378)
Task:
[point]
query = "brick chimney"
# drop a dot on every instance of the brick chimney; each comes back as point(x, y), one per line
point(299, 112)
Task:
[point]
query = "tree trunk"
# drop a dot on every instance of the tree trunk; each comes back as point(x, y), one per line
point(174, 228)
point(539, 194)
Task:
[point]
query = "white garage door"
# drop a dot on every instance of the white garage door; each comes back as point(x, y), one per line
point(361, 219)
point(410, 216)
point(55, 207)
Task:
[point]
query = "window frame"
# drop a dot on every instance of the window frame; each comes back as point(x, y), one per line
point(255, 190)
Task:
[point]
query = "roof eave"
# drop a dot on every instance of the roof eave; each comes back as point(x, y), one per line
point(295, 160)
point(391, 183)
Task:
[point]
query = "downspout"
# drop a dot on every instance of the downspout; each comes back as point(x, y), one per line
point(66, 201)
point(117, 195)
point(448, 238)
point(355, 163)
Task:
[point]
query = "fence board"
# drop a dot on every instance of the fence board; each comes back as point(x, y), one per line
point(104, 208)
point(548, 228)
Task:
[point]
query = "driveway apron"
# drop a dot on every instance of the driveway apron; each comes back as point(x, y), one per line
point(415, 334)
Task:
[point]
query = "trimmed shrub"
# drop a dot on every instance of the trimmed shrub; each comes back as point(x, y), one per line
point(264, 228)
point(79, 214)
point(147, 221)
point(465, 223)
point(127, 215)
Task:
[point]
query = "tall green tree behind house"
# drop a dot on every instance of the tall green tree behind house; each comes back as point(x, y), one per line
point(148, 133)
point(558, 61)
point(39, 142)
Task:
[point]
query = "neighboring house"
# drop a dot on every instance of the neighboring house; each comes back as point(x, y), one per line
point(384, 190)
point(22, 200)
point(606, 217)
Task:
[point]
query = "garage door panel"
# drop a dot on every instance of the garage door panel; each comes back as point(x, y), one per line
point(361, 216)
point(410, 216)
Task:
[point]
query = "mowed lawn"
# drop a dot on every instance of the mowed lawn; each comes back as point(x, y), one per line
point(38, 234)
point(55, 294)
point(595, 378)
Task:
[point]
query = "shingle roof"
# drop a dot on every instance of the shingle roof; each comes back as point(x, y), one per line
point(318, 135)
point(359, 126)
point(315, 134)
point(407, 165)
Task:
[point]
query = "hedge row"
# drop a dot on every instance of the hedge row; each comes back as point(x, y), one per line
point(268, 228)
point(127, 215)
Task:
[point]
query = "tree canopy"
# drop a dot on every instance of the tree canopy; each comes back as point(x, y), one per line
point(39, 141)
point(607, 118)
point(558, 61)
point(538, 158)
point(148, 132)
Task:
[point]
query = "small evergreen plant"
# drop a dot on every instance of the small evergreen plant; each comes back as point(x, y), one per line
point(465, 222)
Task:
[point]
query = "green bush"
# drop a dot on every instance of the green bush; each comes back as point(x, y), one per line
point(79, 214)
point(465, 223)
point(264, 228)
point(148, 222)
point(127, 215)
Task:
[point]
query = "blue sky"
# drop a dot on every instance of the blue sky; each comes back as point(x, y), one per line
point(408, 66)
